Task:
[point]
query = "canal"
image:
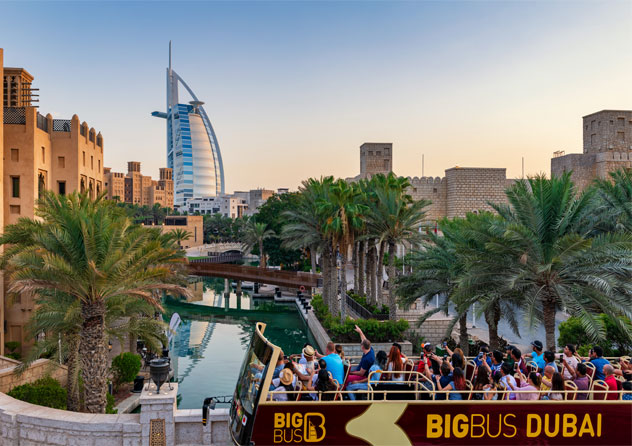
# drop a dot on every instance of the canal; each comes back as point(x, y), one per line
point(209, 345)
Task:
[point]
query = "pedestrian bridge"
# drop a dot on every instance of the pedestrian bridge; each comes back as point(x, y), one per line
point(289, 279)
point(214, 249)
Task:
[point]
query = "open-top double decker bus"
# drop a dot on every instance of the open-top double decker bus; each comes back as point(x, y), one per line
point(412, 415)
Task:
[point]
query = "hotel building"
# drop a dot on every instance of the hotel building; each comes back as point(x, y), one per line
point(139, 189)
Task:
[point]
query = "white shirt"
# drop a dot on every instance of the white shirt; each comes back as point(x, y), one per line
point(572, 363)
point(278, 387)
point(393, 376)
point(506, 380)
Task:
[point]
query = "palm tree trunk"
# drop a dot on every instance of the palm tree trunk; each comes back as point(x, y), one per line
point(343, 287)
point(548, 318)
point(492, 317)
point(73, 400)
point(93, 356)
point(380, 273)
point(262, 257)
point(356, 269)
point(312, 257)
point(361, 269)
point(463, 336)
point(335, 306)
point(324, 260)
point(392, 302)
point(370, 273)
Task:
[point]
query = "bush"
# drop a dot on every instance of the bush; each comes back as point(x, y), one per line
point(382, 309)
point(109, 407)
point(616, 343)
point(374, 330)
point(12, 346)
point(43, 392)
point(125, 367)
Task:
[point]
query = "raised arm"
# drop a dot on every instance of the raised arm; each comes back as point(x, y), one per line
point(570, 369)
point(359, 331)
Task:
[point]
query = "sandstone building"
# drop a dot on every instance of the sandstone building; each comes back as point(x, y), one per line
point(140, 189)
point(607, 147)
point(39, 153)
point(193, 224)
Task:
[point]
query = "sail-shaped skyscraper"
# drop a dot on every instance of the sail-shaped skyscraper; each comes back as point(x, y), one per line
point(192, 148)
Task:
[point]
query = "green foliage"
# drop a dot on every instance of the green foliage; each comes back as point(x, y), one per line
point(43, 392)
point(109, 407)
point(374, 330)
point(142, 214)
point(271, 213)
point(615, 343)
point(125, 367)
point(12, 346)
point(221, 229)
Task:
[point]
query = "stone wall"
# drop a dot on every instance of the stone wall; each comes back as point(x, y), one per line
point(585, 167)
point(38, 369)
point(433, 189)
point(433, 330)
point(470, 189)
point(608, 130)
point(355, 350)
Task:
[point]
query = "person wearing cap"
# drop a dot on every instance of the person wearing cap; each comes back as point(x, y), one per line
point(426, 361)
point(286, 385)
point(537, 355)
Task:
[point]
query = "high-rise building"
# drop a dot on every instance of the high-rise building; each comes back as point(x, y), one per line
point(192, 149)
point(136, 188)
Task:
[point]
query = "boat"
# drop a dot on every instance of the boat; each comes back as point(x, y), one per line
point(412, 416)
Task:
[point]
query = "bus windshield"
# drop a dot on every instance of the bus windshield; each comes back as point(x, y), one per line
point(248, 390)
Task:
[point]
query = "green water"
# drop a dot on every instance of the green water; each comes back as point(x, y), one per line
point(209, 345)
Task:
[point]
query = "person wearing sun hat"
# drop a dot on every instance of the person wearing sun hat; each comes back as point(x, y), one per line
point(307, 357)
point(285, 385)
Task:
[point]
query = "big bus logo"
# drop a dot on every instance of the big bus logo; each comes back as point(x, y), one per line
point(299, 428)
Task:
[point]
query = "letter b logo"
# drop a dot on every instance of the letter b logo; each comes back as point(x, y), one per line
point(314, 427)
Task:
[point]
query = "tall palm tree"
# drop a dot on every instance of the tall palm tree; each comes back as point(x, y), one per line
point(550, 260)
point(613, 207)
point(394, 219)
point(90, 250)
point(254, 235)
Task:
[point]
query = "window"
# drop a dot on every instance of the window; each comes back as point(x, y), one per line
point(370, 152)
point(621, 121)
point(621, 136)
point(386, 149)
point(378, 153)
point(386, 164)
point(61, 162)
point(92, 162)
point(15, 187)
point(14, 209)
point(99, 164)
point(593, 139)
point(434, 190)
point(592, 125)
point(61, 187)
point(43, 155)
point(15, 155)
point(84, 159)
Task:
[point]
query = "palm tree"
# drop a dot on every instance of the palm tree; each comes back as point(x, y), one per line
point(613, 209)
point(254, 235)
point(393, 218)
point(548, 258)
point(91, 251)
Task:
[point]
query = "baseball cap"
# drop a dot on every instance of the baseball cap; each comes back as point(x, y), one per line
point(538, 345)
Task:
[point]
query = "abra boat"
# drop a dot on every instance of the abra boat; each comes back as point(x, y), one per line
point(412, 416)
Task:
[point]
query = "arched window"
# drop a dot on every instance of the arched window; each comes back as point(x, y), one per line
point(91, 191)
point(41, 185)
point(83, 185)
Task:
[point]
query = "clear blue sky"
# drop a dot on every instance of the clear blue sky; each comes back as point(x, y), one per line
point(294, 88)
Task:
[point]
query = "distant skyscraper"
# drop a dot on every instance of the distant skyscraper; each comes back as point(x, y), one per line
point(192, 148)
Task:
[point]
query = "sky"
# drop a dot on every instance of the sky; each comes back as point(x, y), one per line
point(294, 88)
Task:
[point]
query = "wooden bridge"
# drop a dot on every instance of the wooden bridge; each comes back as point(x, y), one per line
point(290, 279)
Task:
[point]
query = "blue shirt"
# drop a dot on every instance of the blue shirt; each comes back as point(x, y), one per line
point(366, 362)
point(375, 378)
point(479, 362)
point(538, 359)
point(334, 365)
point(599, 363)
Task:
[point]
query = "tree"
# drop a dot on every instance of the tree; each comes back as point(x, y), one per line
point(91, 251)
point(547, 256)
point(254, 235)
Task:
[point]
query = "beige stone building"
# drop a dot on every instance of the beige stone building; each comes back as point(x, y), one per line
point(140, 189)
point(607, 138)
point(2, 337)
point(40, 153)
point(193, 224)
point(376, 157)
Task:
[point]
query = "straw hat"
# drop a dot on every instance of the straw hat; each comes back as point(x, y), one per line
point(308, 351)
point(286, 376)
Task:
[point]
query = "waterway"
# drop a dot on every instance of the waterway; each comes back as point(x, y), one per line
point(209, 345)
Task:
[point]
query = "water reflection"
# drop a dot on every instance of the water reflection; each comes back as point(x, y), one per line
point(216, 328)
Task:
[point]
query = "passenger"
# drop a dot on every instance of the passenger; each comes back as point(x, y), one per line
point(340, 352)
point(368, 358)
point(427, 362)
point(580, 379)
point(545, 385)
point(399, 348)
point(279, 365)
point(325, 386)
point(456, 386)
point(334, 363)
point(569, 361)
point(596, 357)
point(521, 364)
point(508, 359)
point(395, 364)
point(377, 367)
point(442, 381)
point(307, 358)
point(625, 364)
point(529, 390)
point(549, 360)
point(493, 389)
point(627, 387)
point(497, 362)
point(286, 384)
point(611, 381)
point(483, 355)
point(557, 387)
point(481, 383)
point(537, 355)
point(508, 380)
point(322, 365)
point(457, 359)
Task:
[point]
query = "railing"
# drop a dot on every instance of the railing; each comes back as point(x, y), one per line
point(14, 115)
point(255, 274)
point(42, 122)
point(363, 312)
point(61, 125)
point(220, 258)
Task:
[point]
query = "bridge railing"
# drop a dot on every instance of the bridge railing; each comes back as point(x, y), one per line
point(362, 311)
point(255, 274)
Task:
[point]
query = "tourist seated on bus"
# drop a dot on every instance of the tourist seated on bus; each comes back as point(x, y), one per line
point(497, 362)
point(286, 385)
point(399, 349)
point(611, 381)
point(596, 357)
point(395, 364)
point(508, 359)
point(443, 380)
point(519, 361)
point(334, 363)
point(325, 383)
point(426, 362)
point(456, 386)
point(626, 366)
point(279, 365)
point(537, 355)
point(547, 376)
point(557, 388)
point(481, 382)
point(549, 359)
point(569, 358)
point(377, 367)
point(308, 356)
point(483, 355)
point(367, 360)
point(457, 358)
point(340, 352)
point(507, 379)
point(626, 386)
point(493, 390)
point(529, 390)
point(579, 377)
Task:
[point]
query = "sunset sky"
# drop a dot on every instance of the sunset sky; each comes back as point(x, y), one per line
point(294, 88)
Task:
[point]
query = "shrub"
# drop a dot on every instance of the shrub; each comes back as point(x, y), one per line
point(616, 342)
point(125, 367)
point(12, 346)
point(374, 330)
point(109, 407)
point(382, 309)
point(43, 392)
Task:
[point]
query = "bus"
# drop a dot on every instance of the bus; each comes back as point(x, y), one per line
point(412, 415)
